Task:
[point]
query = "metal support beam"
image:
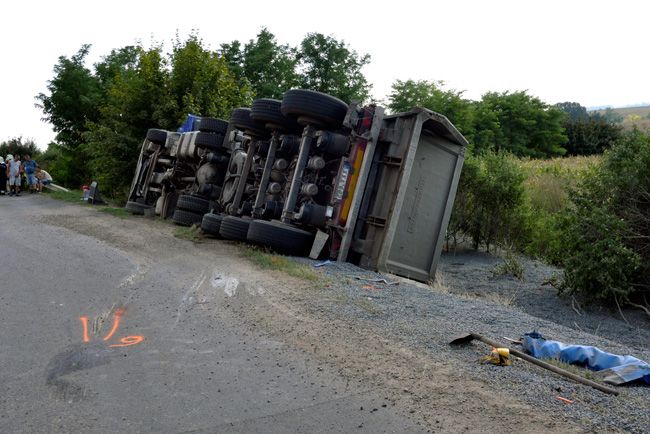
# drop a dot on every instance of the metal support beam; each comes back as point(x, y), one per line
point(296, 181)
point(266, 174)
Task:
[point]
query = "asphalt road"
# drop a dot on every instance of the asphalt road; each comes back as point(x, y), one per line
point(96, 338)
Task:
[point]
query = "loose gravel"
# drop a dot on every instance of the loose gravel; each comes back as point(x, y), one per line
point(469, 297)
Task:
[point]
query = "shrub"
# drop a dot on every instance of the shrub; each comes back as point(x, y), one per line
point(547, 188)
point(598, 264)
point(607, 230)
point(544, 236)
point(489, 202)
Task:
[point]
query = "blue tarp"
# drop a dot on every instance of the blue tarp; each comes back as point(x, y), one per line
point(189, 124)
point(616, 369)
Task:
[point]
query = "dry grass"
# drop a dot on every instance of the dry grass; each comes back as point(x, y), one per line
point(502, 299)
point(574, 369)
point(439, 284)
point(511, 266)
point(191, 233)
point(270, 261)
point(548, 181)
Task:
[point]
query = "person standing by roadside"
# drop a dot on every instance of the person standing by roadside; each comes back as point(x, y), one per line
point(3, 177)
point(29, 166)
point(14, 169)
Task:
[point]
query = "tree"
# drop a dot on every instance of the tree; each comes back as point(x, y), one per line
point(575, 111)
point(115, 64)
point(73, 100)
point(609, 115)
point(518, 123)
point(20, 146)
point(136, 100)
point(330, 66)
point(201, 82)
point(268, 67)
point(591, 136)
point(431, 94)
point(586, 134)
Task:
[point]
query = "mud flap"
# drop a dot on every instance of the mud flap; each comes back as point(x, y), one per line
point(319, 243)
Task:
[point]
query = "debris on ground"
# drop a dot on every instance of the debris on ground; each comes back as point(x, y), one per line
point(498, 356)
point(615, 368)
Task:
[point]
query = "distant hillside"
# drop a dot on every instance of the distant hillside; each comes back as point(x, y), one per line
point(639, 116)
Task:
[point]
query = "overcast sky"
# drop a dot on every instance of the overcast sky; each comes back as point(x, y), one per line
point(592, 52)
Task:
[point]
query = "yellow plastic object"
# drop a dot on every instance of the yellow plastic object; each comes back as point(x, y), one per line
point(498, 356)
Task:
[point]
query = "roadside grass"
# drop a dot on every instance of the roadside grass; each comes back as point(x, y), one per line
point(191, 233)
point(502, 299)
point(116, 212)
point(511, 266)
point(271, 261)
point(75, 195)
point(72, 196)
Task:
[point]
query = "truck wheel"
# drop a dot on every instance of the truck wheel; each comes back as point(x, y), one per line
point(186, 218)
point(211, 224)
point(213, 125)
point(193, 204)
point(157, 136)
point(281, 237)
point(208, 140)
point(234, 228)
point(309, 106)
point(136, 207)
point(267, 111)
point(240, 118)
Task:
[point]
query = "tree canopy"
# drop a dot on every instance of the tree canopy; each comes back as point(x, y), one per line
point(266, 66)
point(519, 123)
point(330, 66)
point(587, 134)
point(20, 146)
point(432, 95)
point(320, 62)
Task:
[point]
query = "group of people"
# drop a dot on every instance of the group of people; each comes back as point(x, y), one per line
point(13, 172)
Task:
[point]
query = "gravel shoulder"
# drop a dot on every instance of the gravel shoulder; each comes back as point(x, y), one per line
point(468, 297)
point(392, 339)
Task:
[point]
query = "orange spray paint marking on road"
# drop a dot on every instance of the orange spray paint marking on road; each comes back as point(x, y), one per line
point(127, 341)
point(84, 323)
point(117, 316)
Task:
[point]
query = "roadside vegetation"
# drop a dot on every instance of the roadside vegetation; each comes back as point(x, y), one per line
point(191, 233)
point(588, 215)
point(271, 261)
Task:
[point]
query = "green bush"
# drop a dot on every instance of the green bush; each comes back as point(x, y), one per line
point(597, 264)
point(606, 233)
point(489, 207)
point(544, 236)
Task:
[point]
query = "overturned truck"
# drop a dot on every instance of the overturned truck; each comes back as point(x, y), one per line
point(312, 175)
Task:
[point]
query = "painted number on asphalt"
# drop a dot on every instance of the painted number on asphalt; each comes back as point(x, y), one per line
point(126, 341)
